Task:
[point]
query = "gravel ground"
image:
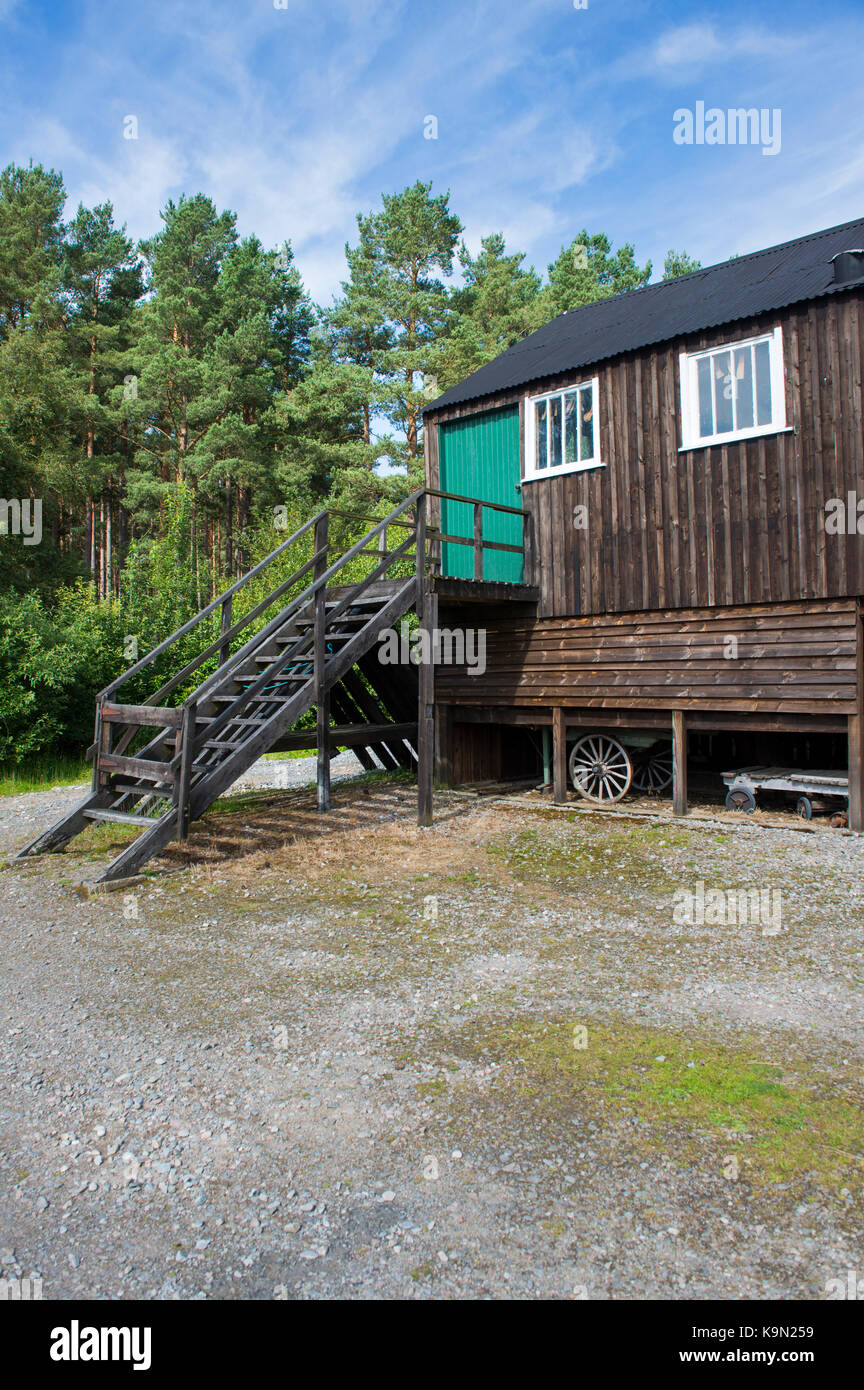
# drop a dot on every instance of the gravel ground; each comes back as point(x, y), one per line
point(344, 1057)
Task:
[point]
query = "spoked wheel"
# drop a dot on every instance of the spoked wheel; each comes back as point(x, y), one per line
point(739, 799)
point(652, 769)
point(804, 808)
point(600, 769)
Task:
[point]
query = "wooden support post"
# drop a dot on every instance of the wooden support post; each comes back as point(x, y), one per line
point(225, 650)
point(322, 694)
point(529, 563)
point(95, 784)
point(478, 541)
point(559, 756)
point(186, 759)
point(103, 751)
point(427, 612)
point(856, 773)
point(679, 762)
point(856, 737)
point(443, 745)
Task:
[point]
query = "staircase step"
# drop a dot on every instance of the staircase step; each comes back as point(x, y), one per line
point(274, 683)
point(121, 817)
point(238, 721)
point(268, 660)
point(231, 700)
point(304, 624)
point(125, 788)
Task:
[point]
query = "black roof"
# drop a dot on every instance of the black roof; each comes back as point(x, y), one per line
point(741, 288)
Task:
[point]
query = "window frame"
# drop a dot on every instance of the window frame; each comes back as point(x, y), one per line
point(689, 391)
point(531, 472)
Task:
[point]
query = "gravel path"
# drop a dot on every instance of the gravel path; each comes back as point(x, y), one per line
point(343, 1057)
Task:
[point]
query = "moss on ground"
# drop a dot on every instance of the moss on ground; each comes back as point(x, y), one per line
point(785, 1123)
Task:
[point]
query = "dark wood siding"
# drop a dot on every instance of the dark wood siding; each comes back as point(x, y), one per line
point(794, 659)
point(732, 524)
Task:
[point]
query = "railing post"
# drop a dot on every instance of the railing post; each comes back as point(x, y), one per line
point(478, 541)
point(100, 731)
point(420, 552)
point(427, 612)
point(322, 694)
point(187, 735)
point(225, 650)
point(529, 550)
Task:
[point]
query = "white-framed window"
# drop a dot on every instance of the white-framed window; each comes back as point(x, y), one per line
point(733, 392)
point(561, 433)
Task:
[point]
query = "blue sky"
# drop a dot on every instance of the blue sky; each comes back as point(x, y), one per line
point(549, 118)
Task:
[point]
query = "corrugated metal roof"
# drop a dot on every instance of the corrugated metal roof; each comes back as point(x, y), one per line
point(741, 288)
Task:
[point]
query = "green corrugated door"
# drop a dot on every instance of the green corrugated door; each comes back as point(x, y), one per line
point(479, 457)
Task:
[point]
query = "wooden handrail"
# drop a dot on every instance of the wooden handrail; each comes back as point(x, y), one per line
point(210, 608)
point(427, 535)
point(309, 593)
point(474, 501)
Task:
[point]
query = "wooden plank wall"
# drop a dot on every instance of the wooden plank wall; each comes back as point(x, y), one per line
point(729, 525)
point(794, 659)
point(479, 753)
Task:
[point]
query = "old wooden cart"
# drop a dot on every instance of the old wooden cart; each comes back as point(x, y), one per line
point(807, 787)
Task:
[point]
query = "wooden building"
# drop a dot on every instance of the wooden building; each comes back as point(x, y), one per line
point(689, 462)
point(642, 522)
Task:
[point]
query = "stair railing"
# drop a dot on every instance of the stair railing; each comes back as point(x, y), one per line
point(307, 599)
point(426, 540)
point(227, 631)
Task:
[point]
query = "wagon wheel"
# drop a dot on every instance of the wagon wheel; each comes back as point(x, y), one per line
point(739, 799)
point(804, 808)
point(652, 771)
point(600, 769)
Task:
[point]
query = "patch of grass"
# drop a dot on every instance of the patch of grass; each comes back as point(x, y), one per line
point(41, 774)
point(289, 753)
point(629, 864)
point(785, 1122)
point(432, 1089)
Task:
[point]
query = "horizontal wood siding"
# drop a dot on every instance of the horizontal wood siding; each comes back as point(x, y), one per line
point(798, 658)
point(735, 524)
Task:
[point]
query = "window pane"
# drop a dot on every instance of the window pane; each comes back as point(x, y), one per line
point(743, 388)
point(721, 364)
point(542, 461)
point(586, 396)
point(762, 352)
point(571, 427)
point(706, 414)
point(555, 432)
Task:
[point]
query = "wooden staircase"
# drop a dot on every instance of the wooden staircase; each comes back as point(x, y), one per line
point(308, 642)
point(303, 657)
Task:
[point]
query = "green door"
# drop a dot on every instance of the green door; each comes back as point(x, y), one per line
point(479, 457)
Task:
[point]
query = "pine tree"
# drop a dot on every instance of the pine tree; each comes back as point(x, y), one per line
point(399, 302)
point(31, 235)
point(586, 271)
point(679, 263)
point(102, 282)
point(490, 312)
point(37, 385)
